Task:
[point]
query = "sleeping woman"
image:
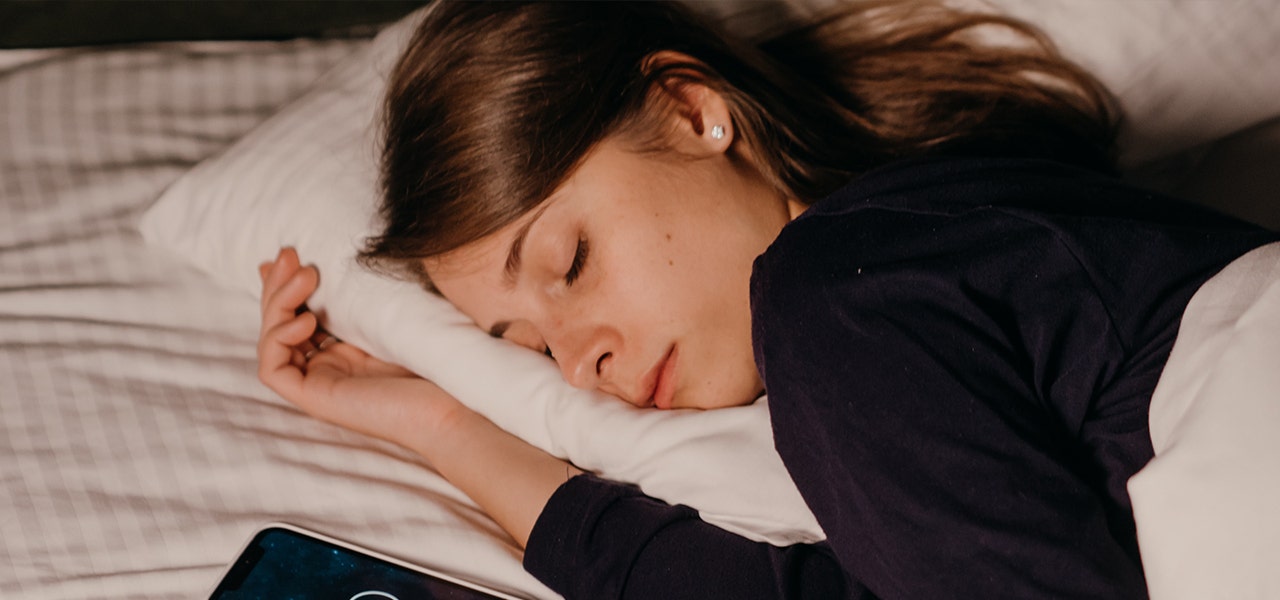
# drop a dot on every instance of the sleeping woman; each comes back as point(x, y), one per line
point(909, 236)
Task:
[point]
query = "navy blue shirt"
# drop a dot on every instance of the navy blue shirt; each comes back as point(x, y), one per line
point(959, 356)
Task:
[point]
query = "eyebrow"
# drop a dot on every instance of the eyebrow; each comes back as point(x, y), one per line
point(511, 270)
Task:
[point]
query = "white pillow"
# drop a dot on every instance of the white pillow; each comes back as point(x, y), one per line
point(307, 178)
point(1186, 72)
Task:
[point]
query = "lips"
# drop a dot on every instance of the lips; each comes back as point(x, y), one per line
point(662, 375)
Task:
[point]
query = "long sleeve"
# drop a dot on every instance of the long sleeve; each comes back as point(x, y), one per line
point(599, 539)
point(959, 359)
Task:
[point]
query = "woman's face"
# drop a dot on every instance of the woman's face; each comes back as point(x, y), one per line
point(634, 275)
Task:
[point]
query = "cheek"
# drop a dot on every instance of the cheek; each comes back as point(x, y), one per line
point(711, 273)
point(698, 297)
point(687, 272)
point(646, 282)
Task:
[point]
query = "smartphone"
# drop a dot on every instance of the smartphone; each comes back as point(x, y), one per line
point(286, 561)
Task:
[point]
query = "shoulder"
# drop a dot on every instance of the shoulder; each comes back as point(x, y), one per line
point(957, 209)
point(950, 184)
point(936, 213)
point(911, 249)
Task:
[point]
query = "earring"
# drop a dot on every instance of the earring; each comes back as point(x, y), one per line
point(717, 132)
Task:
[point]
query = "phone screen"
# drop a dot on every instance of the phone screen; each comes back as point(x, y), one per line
point(283, 563)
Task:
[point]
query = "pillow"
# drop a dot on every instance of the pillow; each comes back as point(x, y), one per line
point(1186, 72)
point(307, 178)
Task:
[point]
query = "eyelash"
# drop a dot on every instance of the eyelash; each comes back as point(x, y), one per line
point(575, 271)
point(579, 261)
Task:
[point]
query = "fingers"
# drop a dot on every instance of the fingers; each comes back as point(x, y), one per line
point(295, 330)
point(321, 340)
point(278, 271)
point(286, 275)
point(286, 285)
point(280, 362)
point(286, 299)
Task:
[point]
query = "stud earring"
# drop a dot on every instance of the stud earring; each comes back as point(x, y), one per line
point(717, 132)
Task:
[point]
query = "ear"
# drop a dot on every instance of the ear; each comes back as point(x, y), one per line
point(701, 121)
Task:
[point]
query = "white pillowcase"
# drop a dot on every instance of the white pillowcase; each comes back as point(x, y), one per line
point(1187, 72)
point(307, 178)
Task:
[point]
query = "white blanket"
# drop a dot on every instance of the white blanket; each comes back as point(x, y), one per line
point(1208, 505)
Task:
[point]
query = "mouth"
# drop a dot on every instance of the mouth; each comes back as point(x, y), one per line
point(663, 389)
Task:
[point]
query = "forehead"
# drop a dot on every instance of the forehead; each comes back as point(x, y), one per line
point(479, 258)
point(480, 261)
point(475, 277)
point(472, 277)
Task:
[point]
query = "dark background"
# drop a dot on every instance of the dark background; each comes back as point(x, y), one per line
point(50, 23)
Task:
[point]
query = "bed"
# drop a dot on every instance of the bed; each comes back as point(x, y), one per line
point(138, 451)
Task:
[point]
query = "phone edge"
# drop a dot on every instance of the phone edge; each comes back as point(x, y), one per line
point(208, 595)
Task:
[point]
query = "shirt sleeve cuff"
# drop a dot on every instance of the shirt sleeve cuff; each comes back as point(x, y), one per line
point(555, 542)
point(590, 533)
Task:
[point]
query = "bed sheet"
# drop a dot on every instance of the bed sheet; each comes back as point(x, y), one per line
point(137, 449)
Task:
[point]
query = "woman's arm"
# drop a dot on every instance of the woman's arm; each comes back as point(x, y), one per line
point(339, 383)
point(600, 539)
point(593, 538)
point(510, 479)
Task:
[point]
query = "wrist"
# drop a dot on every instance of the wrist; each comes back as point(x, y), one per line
point(440, 422)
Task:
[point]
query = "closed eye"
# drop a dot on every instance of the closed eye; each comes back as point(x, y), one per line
point(579, 261)
point(521, 334)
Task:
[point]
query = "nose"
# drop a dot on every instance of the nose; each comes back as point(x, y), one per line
point(585, 356)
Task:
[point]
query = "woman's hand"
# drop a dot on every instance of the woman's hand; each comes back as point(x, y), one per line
point(335, 381)
point(341, 384)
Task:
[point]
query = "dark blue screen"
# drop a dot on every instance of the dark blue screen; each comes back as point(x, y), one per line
point(285, 565)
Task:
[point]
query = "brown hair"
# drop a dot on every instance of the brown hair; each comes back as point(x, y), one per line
point(493, 105)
